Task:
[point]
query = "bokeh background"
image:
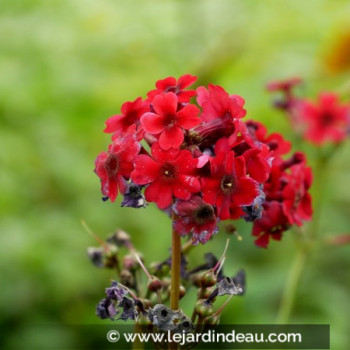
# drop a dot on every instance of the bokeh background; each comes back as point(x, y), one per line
point(66, 66)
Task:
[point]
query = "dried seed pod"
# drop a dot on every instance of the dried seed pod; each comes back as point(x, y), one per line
point(182, 291)
point(208, 279)
point(130, 262)
point(127, 278)
point(204, 309)
point(154, 284)
point(203, 293)
point(164, 318)
point(185, 325)
point(197, 280)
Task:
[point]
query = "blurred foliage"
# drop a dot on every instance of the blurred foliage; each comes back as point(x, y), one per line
point(66, 66)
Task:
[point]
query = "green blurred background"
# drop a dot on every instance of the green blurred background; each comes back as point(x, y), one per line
point(66, 66)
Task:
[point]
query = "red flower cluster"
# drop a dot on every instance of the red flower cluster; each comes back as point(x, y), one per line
point(287, 201)
point(327, 120)
point(203, 162)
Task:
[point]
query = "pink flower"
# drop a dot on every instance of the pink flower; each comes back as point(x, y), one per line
point(169, 173)
point(168, 122)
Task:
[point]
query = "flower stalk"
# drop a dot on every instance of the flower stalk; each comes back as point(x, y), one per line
point(175, 268)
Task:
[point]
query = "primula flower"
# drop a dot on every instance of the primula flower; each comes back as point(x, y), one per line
point(168, 121)
point(228, 182)
point(296, 199)
point(114, 166)
point(131, 114)
point(327, 120)
point(196, 216)
point(170, 84)
point(217, 103)
point(271, 225)
point(284, 85)
point(287, 199)
point(169, 173)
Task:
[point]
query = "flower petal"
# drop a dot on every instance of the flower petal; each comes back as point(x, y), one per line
point(171, 138)
point(146, 170)
point(152, 123)
point(159, 193)
point(188, 117)
point(165, 104)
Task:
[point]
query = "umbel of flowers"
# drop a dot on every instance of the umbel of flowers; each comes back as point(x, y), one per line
point(192, 153)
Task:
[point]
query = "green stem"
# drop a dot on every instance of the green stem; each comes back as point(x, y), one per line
point(175, 269)
point(290, 289)
point(291, 286)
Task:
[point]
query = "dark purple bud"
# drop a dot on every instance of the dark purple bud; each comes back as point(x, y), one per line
point(116, 292)
point(106, 309)
point(129, 310)
point(96, 256)
point(119, 238)
point(133, 197)
point(254, 212)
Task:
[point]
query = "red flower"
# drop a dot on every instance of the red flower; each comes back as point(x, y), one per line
point(217, 103)
point(168, 122)
point(196, 216)
point(284, 85)
point(228, 183)
point(114, 166)
point(296, 200)
point(177, 87)
point(272, 224)
point(169, 173)
point(326, 121)
point(131, 114)
point(287, 199)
